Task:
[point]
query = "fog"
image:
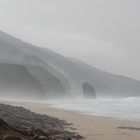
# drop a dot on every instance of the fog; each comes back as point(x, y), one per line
point(103, 33)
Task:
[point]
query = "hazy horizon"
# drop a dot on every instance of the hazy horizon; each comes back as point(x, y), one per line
point(102, 33)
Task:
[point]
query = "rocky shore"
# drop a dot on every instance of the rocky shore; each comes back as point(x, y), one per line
point(18, 123)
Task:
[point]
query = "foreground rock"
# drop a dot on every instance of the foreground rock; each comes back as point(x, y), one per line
point(3, 125)
point(17, 123)
point(10, 137)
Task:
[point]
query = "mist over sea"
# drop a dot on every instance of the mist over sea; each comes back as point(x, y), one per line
point(125, 108)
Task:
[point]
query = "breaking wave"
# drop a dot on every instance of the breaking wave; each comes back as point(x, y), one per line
point(126, 108)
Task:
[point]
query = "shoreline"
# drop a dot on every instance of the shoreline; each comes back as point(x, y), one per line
point(91, 127)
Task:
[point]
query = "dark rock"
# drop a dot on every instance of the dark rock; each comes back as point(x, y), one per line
point(36, 137)
point(8, 137)
point(59, 137)
point(43, 138)
point(40, 138)
point(130, 128)
point(23, 118)
point(3, 124)
point(32, 126)
point(36, 131)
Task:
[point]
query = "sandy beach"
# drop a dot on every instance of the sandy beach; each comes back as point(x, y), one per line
point(92, 128)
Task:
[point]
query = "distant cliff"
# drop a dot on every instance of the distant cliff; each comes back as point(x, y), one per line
point(30, 72)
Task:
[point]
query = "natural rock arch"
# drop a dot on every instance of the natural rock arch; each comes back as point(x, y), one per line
point(88, 91)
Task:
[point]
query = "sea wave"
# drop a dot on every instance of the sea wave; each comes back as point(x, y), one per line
point(125, 108)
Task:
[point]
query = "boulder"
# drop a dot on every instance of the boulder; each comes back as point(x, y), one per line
point(3, 124)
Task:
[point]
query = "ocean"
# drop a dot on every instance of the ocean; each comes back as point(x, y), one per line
point(125, 109)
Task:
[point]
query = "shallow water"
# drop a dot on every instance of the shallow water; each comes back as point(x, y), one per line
point(125, 109)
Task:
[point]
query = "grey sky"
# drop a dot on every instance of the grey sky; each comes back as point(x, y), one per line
point(103, 33)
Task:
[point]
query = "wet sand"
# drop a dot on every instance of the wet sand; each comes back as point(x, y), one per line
point(92, 128)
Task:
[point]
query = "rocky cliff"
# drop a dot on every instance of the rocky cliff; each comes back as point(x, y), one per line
point(30, 72)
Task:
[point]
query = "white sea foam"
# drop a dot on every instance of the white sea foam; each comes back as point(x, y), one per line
point(126, 108)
